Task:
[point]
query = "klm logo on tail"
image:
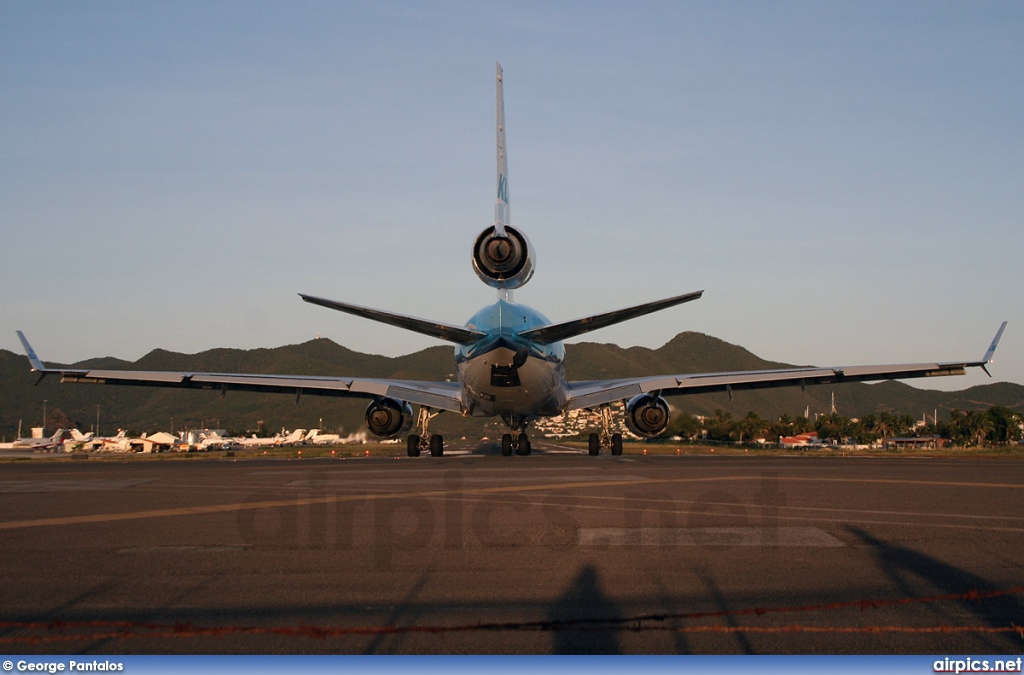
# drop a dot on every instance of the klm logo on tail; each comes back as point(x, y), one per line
point(503, 189)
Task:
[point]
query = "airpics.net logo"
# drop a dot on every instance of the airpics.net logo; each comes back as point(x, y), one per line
point(969, 665)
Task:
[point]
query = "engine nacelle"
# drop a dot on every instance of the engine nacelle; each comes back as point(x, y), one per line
point(647, 415)
point(389, 418)
point(503, 262)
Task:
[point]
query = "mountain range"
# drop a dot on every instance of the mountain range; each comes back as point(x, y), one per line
point(151, 409)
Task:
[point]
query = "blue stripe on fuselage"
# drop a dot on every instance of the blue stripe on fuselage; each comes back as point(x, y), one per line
point(505, 374)
point(502, 322)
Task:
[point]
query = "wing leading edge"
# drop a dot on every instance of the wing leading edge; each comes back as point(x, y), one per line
point(569, 329)
point(541, 335)
point(595, 393)
point(442, 331)
point(436, 395)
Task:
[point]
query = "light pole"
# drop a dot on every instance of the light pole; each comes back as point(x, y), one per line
point(44, 417)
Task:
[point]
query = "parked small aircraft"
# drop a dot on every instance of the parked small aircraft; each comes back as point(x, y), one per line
point(53, 442)
point(89, 441)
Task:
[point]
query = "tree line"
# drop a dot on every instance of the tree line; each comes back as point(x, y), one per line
point(996, 426)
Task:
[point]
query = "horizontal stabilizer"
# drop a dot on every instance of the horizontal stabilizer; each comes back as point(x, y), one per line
point(564, 331)
point(456, 334)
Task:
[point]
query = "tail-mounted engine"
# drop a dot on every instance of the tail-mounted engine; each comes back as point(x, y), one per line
point(389, 418)
point(503, 261)
point(647, 415)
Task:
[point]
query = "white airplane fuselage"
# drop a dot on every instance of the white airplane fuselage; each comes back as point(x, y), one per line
point(507, 375)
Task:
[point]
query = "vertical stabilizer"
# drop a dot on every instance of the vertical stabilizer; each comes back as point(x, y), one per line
point(502, 255)
point(501, 210)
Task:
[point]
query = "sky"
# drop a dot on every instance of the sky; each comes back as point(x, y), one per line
point(844, 180)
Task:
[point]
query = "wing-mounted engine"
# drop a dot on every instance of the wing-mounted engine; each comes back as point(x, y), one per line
point(389, 418)
point(647, 415)
point(503, 259)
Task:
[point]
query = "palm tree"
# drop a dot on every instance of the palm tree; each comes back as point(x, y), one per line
point(958, 428)
point(1005, 422)
point(980, 425)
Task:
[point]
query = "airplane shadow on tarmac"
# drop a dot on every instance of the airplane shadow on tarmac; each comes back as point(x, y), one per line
point(907, 568)
point(486, 448)
point(584, 620)
point(598, 633)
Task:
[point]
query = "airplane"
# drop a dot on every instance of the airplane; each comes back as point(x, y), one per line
point(254, 441)
point(509, 359)
point(89, 441)
point(36, 444)
point(294, 438)
point(118, 443)
point(78, 437)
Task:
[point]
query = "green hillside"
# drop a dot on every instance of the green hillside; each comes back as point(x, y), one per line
point(151, 409)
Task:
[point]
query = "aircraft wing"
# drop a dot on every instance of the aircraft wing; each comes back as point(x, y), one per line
point(436, 395)
point(591, 394)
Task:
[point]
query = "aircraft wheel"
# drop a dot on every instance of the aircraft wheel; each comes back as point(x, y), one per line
point(523, 448)
point(414, 445)
point(436, 445)
point(616, 444)
point(595, 445)
point(506, 445)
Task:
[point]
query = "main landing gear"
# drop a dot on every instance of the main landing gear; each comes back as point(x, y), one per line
point(606, 439)
point(422, 441)
point(517, 440)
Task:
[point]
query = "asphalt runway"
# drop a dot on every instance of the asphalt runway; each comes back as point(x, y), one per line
point(476, 553)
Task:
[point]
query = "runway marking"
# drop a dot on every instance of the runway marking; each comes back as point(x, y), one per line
point(331, 499)
point(309, 500)
point(854, 515)
point(892, 481)
point(59, 485)
point(208, 548)
point(783, 507)
point(810, 537)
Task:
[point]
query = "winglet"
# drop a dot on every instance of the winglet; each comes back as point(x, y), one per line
point(987, 359)
point(35, 361)
point(37, 364)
